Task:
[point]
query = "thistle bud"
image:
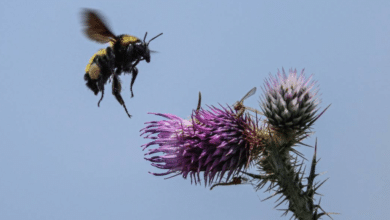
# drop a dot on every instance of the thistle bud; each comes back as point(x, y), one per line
point(290, 101)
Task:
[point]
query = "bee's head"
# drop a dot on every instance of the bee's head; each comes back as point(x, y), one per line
point(145, 47)
point(145, 52)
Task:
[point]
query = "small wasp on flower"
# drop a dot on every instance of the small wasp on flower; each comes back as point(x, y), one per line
point(123, 55)
point(239, 106)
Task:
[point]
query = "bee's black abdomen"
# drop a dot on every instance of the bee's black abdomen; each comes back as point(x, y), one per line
point(91, 84)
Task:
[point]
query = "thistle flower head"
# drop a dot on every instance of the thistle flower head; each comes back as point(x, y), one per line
point(214, 141)
point(290, 101)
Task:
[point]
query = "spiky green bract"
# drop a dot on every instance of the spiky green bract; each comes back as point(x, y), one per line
point(290, 101)
point(215, 142)
point(286, 178)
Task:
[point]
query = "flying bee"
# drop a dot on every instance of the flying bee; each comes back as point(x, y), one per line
point(122, 55)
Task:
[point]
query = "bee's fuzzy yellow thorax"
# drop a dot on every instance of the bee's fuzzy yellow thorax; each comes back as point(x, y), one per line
point(128, 39)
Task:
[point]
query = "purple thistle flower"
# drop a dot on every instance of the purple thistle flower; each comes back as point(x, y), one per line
point(290, 102)
point(214, 142)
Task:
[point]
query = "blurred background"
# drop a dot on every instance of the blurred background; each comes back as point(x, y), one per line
point(62, 157)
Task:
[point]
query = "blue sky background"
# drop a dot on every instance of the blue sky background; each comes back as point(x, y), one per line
point(62, 157)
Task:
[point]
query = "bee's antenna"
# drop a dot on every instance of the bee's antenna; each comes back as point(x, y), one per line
point(145, 36)
point(154, 38)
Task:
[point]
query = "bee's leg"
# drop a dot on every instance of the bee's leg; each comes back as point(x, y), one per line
point(136, 63)
point(105, 73)
point(116, 91)
point(128, 64)
point(101, 81)
point(101, 98)
point(134, 76)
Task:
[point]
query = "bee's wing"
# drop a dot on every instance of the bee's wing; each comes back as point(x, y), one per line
point(249, 94)
point(95, 27)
